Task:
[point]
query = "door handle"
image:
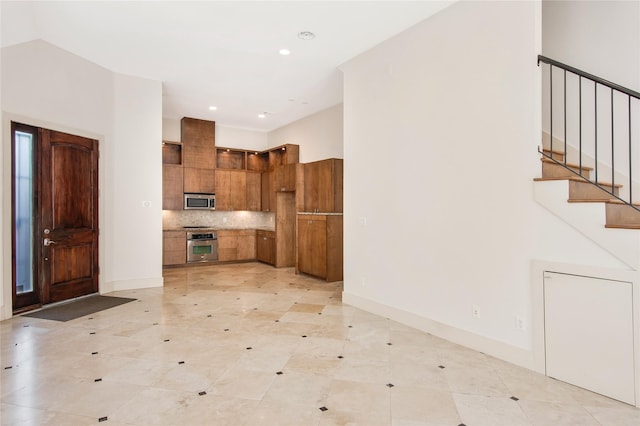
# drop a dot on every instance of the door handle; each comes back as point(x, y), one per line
point(48, 242)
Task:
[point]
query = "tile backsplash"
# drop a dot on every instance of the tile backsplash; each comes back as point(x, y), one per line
point(172, 219)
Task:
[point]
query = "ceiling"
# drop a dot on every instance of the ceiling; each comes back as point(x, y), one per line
point(221, 53)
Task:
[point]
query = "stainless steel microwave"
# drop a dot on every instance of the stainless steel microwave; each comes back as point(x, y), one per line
point(199, 201)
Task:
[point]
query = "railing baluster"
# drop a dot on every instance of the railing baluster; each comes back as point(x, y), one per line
point(580, 123)
point(613, 178)
point(551, 110)
point(630, 157)
point(595, 121)
point(565, 117)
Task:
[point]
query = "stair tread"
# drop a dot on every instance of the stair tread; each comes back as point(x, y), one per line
point(616, 201)
point(586, 200)
point(575, 166)
point(555, 151)
point(623, 226)
point(575, 179)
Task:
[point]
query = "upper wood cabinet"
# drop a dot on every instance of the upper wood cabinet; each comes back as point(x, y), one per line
point(257, 161)
point(199, 180)
point(237, 190)
point(198, 143)
point(267, 192)
point(285, 177)
point(323, 186)
point(254, 191)
point(172, 179)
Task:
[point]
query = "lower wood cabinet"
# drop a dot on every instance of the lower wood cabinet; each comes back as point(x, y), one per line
point(236, 244)
point(266, 246)
point(320, 246)
point(174, 247)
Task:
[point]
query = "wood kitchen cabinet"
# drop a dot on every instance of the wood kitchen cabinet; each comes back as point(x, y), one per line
point(323, 186)
point(198, 155)
point(267, 191)
point(266, 246)
point(231, 190)
point(237, 190)
point(199, 180)
point(236, 244)
point(172, 187)
point(174, 248)
point(284, 177)
point(254, 191)
point(198, 143)
point(319, 246)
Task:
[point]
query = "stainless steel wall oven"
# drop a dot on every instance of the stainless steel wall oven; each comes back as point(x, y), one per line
point(202, 246)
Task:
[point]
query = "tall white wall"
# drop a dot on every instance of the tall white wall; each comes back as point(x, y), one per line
point(49, 87)
point(134, 174)
point(441, 128)
point(599, 37)
point(319, 135)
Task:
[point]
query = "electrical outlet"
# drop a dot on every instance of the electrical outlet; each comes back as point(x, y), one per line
point(363, 281)
point(363, 220)
point(475, 311)
point(520, 323)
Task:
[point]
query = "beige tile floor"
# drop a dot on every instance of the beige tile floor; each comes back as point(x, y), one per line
point(252, 345)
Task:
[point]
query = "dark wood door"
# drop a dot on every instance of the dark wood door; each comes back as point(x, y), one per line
point(68, 216)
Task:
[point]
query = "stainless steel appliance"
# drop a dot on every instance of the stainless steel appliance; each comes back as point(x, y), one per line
point(199, 201)
point(202, 246)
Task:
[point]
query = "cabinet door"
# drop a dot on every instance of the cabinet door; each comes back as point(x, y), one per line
point(266, 191)
point(174, 248)
point(198, 143)
point(172, 187)
point(285, 178)
point(238, 189)
point(266, 247)
point(254, 198)
point(223, 189)
point(312, 246)
point(246, 246)
point(199, 180)
point(227, 245)
point(323, 186)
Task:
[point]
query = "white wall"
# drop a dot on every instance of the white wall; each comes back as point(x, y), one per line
point(441, 125)
point(599, 37)
point(320, 135)
point(134, 173)
point(49, 87)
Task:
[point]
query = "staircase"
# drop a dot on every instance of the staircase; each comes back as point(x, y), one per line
point(617, 213)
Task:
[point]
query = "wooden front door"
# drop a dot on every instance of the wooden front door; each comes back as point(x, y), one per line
point(68, 215)
point(54, 216)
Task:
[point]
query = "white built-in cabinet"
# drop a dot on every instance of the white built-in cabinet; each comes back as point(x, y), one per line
point(588, 327)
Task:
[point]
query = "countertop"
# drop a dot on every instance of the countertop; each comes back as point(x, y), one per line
point(182, 229)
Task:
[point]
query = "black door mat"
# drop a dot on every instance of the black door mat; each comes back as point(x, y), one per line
point(79, 308)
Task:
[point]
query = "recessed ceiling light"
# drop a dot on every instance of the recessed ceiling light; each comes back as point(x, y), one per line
point(213, 108)
point(285, 52)
point(263, 115)
point(306, 35)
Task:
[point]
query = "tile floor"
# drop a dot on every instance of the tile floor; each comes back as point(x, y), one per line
point(252, 345)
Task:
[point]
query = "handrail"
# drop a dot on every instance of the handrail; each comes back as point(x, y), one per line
point(621, 142)
point(591, 77)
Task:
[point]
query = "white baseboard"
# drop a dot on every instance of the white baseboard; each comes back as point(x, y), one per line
point(110, 286)
point(509, 353)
